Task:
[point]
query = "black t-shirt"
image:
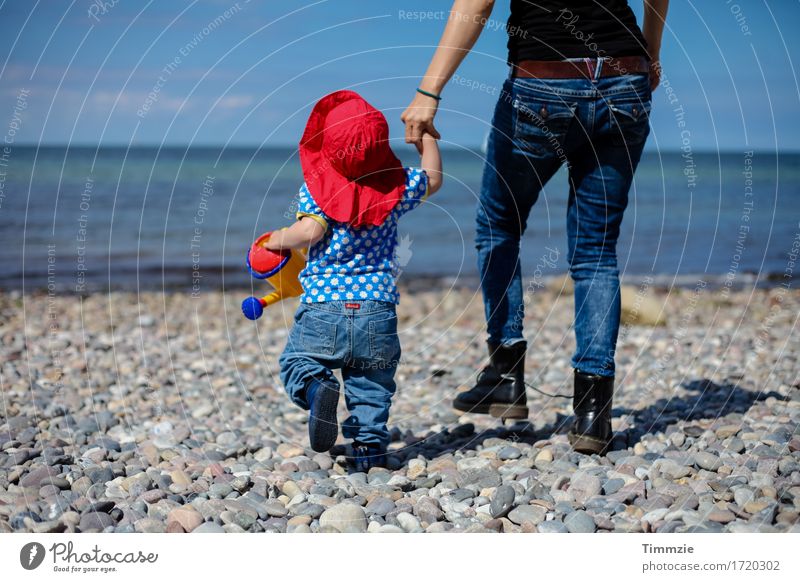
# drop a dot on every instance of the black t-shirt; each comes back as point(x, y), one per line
point(548, 30)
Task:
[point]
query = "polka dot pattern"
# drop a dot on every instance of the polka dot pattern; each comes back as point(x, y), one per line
point(357, 264)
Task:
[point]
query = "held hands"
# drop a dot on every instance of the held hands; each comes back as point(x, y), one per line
point(418, 118)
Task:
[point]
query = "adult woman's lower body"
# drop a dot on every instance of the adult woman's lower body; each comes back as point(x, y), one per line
point(598, 127)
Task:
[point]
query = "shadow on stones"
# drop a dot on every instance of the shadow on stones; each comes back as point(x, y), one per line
point(709, 401)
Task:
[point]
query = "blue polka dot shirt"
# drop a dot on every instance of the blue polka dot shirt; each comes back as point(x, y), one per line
point(356, 264)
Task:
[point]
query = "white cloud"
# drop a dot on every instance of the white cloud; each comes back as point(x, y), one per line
point(235, 101)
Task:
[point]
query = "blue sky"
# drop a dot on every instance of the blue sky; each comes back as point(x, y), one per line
point(252, 77)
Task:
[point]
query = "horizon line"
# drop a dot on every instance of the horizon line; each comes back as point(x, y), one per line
point(450, 147)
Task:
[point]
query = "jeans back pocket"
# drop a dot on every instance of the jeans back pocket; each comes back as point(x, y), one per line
point(541, 124)
point(629, 119)
point(383, 341)
point(318, 333)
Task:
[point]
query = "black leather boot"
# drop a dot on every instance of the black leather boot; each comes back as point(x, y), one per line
point(591, 401)
point(500, 388)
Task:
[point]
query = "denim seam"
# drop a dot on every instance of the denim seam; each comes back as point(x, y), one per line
point(323, 307)
point(590, 93)
point(338, 307)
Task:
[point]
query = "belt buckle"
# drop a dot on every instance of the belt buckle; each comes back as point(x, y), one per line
point(588, 62)
point(595, 67)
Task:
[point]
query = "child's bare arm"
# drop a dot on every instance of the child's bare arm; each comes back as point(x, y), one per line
point(431, 162)
point(303, 233)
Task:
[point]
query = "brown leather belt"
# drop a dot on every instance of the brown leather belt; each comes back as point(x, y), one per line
point(583, 68)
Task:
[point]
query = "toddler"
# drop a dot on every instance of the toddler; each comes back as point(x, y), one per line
point(355, 192)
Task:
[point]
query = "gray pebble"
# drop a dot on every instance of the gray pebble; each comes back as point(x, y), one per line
point(379, 506)
point(579, 522)
point(612, 486)
point(583, 485)
point(509, 453)
point(208, 527)
point(707, 461)
point(344, 517)
point(552, 526)
point(95, 522)
point(502, 501)
point(527, 513)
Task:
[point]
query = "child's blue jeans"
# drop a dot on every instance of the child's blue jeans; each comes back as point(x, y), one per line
point(360, 339)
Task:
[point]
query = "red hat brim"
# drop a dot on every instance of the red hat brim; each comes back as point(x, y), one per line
point(366, 201)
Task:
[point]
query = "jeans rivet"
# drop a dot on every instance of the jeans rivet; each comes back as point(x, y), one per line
point(543, 111)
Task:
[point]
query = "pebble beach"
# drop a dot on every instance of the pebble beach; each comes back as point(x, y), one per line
point(163, 412)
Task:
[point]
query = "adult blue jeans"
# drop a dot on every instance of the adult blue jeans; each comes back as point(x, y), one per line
point(360, 339)
point(597, 127)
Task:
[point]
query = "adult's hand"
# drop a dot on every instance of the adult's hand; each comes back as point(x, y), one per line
point(418, 118)
point(464, 25)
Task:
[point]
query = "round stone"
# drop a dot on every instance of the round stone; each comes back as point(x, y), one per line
point(552, 526)
point(707, 461)
point(345, 517)
point(583, 485)
point(95, 521)
point(579, 522)
point(534, 514)
point(208, 527)
point(502, 501)
point(379, 506)
point(721, 515)
point(408, 522)
point(509, 454)
point(611, 486)
point(188, 517)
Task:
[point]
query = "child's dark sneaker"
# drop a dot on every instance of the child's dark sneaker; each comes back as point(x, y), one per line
point(366, 456)
point(323, 427)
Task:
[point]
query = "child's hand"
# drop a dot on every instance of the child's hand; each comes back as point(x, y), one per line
point(431, 162)
point(274, 242)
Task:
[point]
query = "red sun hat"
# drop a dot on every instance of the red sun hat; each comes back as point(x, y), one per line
point(349, 168)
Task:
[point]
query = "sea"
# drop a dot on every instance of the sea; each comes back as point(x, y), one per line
point(83, 219)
